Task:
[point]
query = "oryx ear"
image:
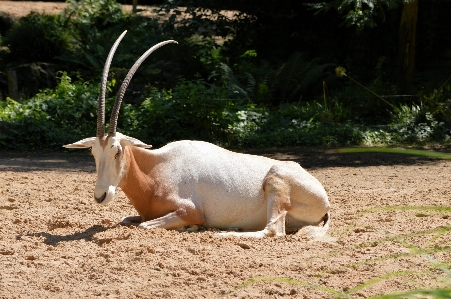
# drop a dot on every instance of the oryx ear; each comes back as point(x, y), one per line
point(135, 142)
point(84, 143)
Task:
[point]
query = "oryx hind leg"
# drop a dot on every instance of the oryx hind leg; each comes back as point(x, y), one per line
point(309, 206)
point(277, 197)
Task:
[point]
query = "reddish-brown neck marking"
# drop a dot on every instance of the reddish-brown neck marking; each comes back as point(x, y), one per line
point(146, 194)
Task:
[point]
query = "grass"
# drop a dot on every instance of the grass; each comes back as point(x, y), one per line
point(414, 152)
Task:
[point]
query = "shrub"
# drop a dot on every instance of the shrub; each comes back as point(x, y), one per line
point(52, 117)
point(416, 124)
point(6, 22)
point(36, 37)
point(192, 110)
point(275, 83)
point(197, 110)
point(94, 26)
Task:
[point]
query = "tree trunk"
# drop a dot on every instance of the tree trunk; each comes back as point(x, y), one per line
point(406, 54)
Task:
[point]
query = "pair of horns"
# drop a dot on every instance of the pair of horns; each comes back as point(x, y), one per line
point(120, 95)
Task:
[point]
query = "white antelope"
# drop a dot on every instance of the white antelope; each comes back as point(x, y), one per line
point(189, 183)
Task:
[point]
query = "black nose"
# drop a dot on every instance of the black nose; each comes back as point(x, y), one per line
point(101, 198)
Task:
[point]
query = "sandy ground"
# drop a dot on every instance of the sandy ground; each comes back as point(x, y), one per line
point(391, 220)
point(21, 8)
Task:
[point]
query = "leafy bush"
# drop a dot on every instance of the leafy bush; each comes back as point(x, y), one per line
point(198, 110)
point(417, 124)
point(297, 74)
point(89, 27)
point(294, 125)
point(264, 83)
point(52, 117)
point(79, 39)
point(192, 110)
point(36, 37)
point(439, 103)
point(6, 22)
point(94, 25)
point(98, 14)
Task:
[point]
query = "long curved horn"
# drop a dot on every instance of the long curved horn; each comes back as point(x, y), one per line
point(120, 95)
point(101, 104)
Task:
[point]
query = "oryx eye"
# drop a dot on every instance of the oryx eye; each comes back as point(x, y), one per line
point(117, 154)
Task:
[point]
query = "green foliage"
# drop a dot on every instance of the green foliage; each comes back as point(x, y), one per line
point(206, 20)
point(439, 103)
point(293, 125)
point(192, 110)
point(239, 86)
point(341, 72)
point(359, 13)
point(95, 13)
point(262, 83)
point(93, 26)
point(197, 110)
point(79, 40)
point(296, 75)
point(6, 22)
point(102, 21)
point(416, 124)
point(51, 118)
point(36, 37)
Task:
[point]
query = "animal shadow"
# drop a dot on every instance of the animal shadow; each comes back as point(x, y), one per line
point(87, 235)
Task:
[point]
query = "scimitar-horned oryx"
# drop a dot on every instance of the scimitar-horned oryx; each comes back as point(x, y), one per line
point(189, 183)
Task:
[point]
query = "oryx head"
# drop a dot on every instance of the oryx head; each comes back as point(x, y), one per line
point(108, 149)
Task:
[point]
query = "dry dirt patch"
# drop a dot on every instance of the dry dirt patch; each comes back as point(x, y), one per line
point(391, 218)
point(21, 8)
